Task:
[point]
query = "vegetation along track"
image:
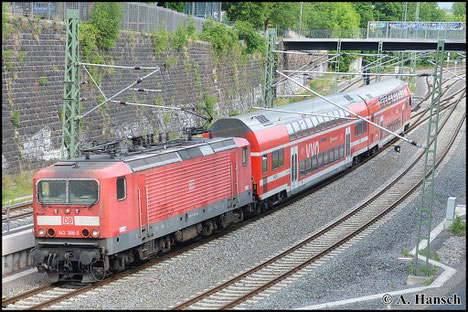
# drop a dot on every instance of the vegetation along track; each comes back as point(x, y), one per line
point(328, 241)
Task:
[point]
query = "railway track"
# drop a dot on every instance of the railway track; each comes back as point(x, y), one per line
point(327, 242)
point(51, 294)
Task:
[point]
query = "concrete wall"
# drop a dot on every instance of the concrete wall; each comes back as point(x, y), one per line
point(32, 89)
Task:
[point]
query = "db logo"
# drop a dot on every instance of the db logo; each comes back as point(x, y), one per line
point(191, 185)
point(67, 220)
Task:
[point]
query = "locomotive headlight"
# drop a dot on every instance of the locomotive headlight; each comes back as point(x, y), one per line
point(41, 232)
point(95, 233)
point(67, 211)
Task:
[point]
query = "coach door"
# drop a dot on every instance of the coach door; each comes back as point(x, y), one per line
point(348, 143)
point(293, 167)
point(142, 195)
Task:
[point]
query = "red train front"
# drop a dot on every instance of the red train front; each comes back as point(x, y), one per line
point(98, 213)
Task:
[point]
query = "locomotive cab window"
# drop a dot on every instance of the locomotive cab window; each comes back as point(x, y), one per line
point(68, 191)
point(121, 189)
point(245, 159)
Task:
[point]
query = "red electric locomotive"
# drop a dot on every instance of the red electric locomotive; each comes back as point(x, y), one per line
point(97, 213)
point(291, 151)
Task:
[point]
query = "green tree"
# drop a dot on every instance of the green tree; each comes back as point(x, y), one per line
point(284, 15)
point(106, 18)
point(365, 10)
point(459, 11)
point(176, 6)
point(255, 42)
point(330, 15)
point(388, 11)
point(430, 12)
point(256, 13)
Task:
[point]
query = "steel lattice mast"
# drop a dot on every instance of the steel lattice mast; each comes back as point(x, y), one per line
point(427, 193)
point(268, 92)
point(71, 125)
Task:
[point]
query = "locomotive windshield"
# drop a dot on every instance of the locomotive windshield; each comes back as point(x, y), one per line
point(85, 192)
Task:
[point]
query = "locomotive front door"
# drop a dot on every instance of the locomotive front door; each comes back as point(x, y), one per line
point(142, 196)
point(293, 167)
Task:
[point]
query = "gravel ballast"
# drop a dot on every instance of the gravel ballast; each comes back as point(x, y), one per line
point(370, 266)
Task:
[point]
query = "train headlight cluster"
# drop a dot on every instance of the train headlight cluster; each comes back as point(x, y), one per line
point(41, 232)
point(95, 233)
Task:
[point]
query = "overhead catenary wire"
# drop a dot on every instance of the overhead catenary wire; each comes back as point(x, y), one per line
point(121, 67)
point(121, 91)
point(351, 112)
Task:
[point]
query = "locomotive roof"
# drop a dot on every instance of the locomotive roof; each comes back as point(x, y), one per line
point(158, 154)
point(262, 119)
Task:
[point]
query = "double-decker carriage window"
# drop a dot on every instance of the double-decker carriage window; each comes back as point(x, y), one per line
point(364, 127)
point(341, 151)
point(325, 158)
point(52, 191)
point(314, 163)
point(302, 168)
point(291, 132)
point(121, 189)
point(297, 129)
point(309, 165)
point(337, 156)
point(303, 126)
point(331, 157)
point(310, 126)
point(83, 191)
point(319, 159)
point(274, 160)
point(281, 157)
point(245, 158)
point(265, 163)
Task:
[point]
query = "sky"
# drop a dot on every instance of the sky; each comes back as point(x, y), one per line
point(443, 5)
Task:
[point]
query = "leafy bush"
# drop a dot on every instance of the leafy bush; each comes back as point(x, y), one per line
point(458, 227)
point(219, 35)
point(15, 117)
point(160, 39)
point(255, 42)
point(180, 37)
point(106, 18)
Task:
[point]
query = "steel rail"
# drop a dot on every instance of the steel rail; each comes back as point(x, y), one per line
point(333, 225)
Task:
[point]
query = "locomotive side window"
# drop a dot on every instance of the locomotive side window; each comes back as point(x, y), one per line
point(245, 159)
point(265, 163)
point(121, 189)
point(274, 160)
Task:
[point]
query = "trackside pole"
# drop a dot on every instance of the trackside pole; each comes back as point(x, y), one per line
point(427, 192)
point(70, 146)
point(353, 113)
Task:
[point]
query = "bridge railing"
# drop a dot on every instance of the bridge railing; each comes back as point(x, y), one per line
point(416, 30)
point(323, 33)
